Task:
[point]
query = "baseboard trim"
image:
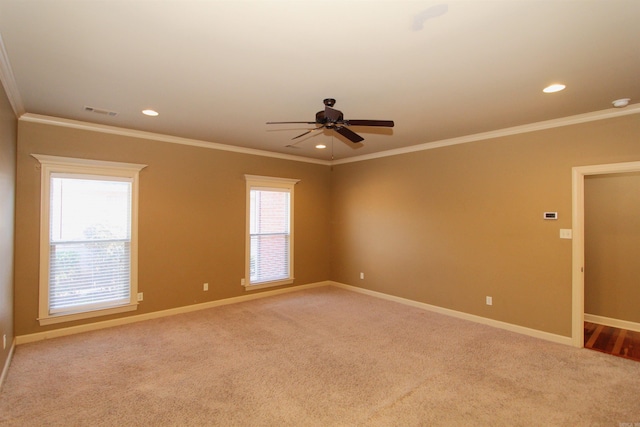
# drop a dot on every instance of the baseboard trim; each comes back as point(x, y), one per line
point(461, 315)
point(40, 336)
point(615, 323)
point(5, 369)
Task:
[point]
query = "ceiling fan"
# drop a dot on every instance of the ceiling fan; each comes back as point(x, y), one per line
point(330, 118)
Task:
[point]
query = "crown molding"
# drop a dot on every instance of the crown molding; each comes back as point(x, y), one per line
point(9, 82)
point(114, 130)
point(532, 127)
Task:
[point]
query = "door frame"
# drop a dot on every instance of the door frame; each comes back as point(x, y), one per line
point(577, 262)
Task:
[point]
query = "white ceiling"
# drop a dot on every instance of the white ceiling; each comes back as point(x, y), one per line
point(218, 70)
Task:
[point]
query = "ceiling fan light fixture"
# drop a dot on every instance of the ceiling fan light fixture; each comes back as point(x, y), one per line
point(556, 87)
point(321, 146)
point(151, 113)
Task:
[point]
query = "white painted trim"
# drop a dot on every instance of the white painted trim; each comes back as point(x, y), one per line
point(55, 164)
point(268, 183)
point(5, 369)
point(55, 319)
point(39, 336)
point(532, 127)
point(114, 130)
point(615, 323)
point(9, 82)
point(263, 285)
point(461, 315)
point(84, 163)
point(577, 257)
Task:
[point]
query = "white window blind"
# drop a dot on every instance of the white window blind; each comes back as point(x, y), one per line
point(90, 242)
point(270, 235)
point(269, 250)
point(88, 238)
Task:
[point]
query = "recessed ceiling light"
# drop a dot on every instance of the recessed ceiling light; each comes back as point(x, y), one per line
point(321, 146)
point(554, 88)
point(152, 113)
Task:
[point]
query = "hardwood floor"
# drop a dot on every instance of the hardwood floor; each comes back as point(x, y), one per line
point(614, 341)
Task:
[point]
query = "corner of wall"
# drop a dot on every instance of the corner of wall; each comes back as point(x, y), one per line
point(7, 363)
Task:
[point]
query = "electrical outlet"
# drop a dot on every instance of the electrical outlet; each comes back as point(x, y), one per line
point(205, 287)
point(361, 275)
point(4, 341)
point(241, 282)
point(140, 296)
point(489, 301)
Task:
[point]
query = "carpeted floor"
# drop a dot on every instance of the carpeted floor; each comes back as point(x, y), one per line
point(319, 357)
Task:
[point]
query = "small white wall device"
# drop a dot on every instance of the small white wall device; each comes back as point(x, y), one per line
point(551, 215)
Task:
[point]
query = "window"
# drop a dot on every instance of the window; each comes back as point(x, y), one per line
point(88, 238)
point(269, 257)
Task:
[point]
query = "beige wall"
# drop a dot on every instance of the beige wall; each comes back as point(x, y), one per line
point(191, 223)
point(612, 246)
point(452, 225)
point(7, 198)
point(446, 226)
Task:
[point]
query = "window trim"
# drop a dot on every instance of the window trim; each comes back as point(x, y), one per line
point(268, 183)
point(54, 164)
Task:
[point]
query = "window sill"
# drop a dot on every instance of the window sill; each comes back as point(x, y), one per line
point(61, 318)
point(262, 285)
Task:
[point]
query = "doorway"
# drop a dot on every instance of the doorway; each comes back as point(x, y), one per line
point(578, 249)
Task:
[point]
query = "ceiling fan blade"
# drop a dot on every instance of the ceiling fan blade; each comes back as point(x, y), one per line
point(349, 134)
point(302, 134)
point(309, 131)
point(286, 123)
point(333, 115)
point(383, 123)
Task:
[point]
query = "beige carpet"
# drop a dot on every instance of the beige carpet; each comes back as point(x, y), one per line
point(320, 357)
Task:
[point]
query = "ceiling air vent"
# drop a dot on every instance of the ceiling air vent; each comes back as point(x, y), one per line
point(100, 111)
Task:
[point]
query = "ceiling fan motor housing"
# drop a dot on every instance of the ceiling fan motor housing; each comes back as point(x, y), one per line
point(333, 117)
point(329, 102)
